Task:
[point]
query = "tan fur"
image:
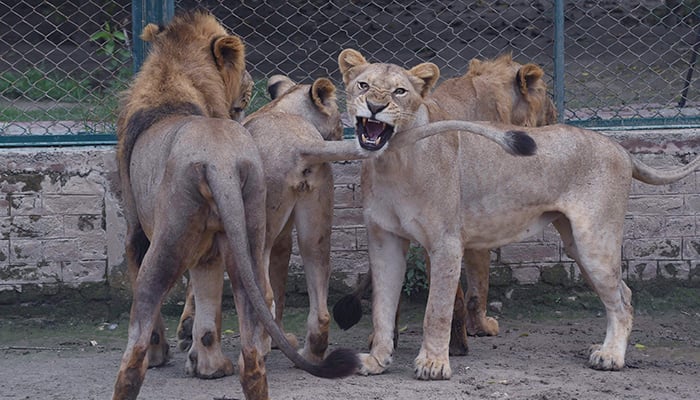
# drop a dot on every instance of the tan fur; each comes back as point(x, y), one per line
point(578, 180)
point(299, 195)
point(193, 191)
point(297, 134)
point(499, 90)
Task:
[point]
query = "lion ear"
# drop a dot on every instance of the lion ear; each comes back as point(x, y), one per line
point(229, 52)
point(527, 76)
point(428, 73)
point(474, 64)
point(323, 95)
point(150, 32)
point(277, 85)
point(348, 60)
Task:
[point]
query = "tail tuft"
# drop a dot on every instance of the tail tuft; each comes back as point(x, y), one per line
point(521, 143)
point(340, 363)
point(347, 311)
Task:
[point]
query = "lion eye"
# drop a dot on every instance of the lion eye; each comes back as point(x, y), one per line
point(363, 85)
point(400, 91)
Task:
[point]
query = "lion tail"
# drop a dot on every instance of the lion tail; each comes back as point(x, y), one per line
point(339, 363)
point(652, 176)
point(516, 142)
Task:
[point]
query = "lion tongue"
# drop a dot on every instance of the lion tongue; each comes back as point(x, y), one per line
point(374, 129)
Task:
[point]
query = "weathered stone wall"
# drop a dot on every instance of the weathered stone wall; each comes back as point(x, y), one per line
point(62, 232)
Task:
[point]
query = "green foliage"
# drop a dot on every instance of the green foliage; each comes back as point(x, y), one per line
point(259, 97)
point(416, 280)
point(113, 44)
point(36, 84)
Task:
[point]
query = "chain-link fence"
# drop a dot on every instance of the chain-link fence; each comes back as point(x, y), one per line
point(64, 62)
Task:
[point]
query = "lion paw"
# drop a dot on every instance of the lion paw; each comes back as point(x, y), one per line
point(603, 360)
point(184, 334)
point(370, 365)
point(427, 369)
point(158, 351)
point(488, 326)
point(212, 366)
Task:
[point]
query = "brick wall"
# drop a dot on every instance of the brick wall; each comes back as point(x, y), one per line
point(61, 224)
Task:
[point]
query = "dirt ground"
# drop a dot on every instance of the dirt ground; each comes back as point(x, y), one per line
point(534, 357)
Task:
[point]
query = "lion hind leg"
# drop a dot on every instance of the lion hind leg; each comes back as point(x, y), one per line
point(279, 269)
point(599, 261)
point(205, 358)
point(184, 327)
point(137, 244)
point(156, 277)
point(313, 220)
point(478, 264)
point(251, 363)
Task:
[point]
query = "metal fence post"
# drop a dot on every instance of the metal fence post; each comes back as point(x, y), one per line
point(559, 58)
point(144, 12)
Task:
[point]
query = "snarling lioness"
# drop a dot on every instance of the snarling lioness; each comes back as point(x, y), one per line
point(194, 197)
point(498, 90)
point(291, 134)
point(457, 191)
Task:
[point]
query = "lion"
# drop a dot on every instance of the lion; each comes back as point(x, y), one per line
point(299, 185)
point(498, 90)
point(194, 198)
point(577, 180)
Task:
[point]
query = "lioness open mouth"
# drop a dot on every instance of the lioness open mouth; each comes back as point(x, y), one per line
point(372, 134)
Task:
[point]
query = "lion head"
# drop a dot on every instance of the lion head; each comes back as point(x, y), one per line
point(499, 90)
point(316, 103)
point(384, 98)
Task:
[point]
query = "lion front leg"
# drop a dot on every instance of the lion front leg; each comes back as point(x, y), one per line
point(205, 358)
point(433, 361)
point(387, 254)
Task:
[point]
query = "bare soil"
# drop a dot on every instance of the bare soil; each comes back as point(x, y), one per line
point(536, 356)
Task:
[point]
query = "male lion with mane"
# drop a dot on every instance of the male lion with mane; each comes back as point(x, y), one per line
point(498, 90)
point(578, 181)
point(194, 197)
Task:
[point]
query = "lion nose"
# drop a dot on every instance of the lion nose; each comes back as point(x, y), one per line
point(375, 108)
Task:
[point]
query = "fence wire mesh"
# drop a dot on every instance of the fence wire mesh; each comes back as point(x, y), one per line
point(63, 62)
